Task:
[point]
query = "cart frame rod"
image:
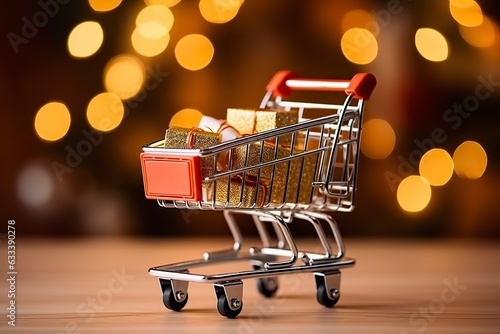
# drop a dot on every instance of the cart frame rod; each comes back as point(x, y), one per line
point(179, 271)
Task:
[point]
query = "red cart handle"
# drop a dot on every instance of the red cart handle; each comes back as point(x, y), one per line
point(361, 84)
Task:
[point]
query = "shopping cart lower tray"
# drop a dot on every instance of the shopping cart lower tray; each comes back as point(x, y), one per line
point(303, 172)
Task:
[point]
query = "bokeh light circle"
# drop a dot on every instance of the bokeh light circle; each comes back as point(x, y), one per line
point(359, 46)
point(148, 47)
point(124, 76)
point(35, 187)
point(52, 121)
point(436, 166)
point(481, 36)
point(167, 3)
point(466, 12)
point(154, 21)
point(105, 112)
point(186, 118)
point(470, 160)
point(359, 18)
point(378, 139)
point(85, 39)
point(219, 11)
point(104, 5)
point(414, 193)
point(194, 52)
point(431, 44)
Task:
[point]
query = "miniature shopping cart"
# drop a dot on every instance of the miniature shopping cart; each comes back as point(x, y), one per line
point(319, 166)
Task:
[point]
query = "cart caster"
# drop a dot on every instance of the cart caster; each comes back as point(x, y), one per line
point(229, 298)
point(175, 294)
point(328, 288)
point(267, 286)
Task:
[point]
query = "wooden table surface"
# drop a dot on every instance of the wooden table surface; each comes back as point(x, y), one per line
point(397, 286)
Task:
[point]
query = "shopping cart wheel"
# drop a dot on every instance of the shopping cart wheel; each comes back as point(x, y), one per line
point(267, 286)
point(229, 298)
point(328, 288)
point(175, 294)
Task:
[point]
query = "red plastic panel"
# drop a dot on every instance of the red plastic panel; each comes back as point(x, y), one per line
point(171, 177)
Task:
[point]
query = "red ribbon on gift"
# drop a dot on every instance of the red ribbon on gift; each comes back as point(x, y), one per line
point(224, 125)
point(190, 139)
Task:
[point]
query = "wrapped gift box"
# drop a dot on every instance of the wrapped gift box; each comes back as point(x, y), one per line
point(211, 124)
point(273, 119)
point(295, 186)
point(229, 190)
point(185, 138)
point(294, 176)
point(226, 131)
point(250, 155)
point(178, 137)
point(248, 121)
point(243, 120)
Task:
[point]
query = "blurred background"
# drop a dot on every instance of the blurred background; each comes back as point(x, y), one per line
point(85, 84)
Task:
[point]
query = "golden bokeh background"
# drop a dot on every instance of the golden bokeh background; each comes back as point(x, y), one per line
point(86, 84)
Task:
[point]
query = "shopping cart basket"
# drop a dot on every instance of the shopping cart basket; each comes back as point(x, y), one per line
point(315, 174)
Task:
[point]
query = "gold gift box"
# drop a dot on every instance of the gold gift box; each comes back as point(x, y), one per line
point(252, 154)
point(178, 137)
point(298, 184)
point(273, 119)
point(297, 179)
point(185, 138)
point(252, 196)
point(243, 120)
point(344, 158)
point(249, 121)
